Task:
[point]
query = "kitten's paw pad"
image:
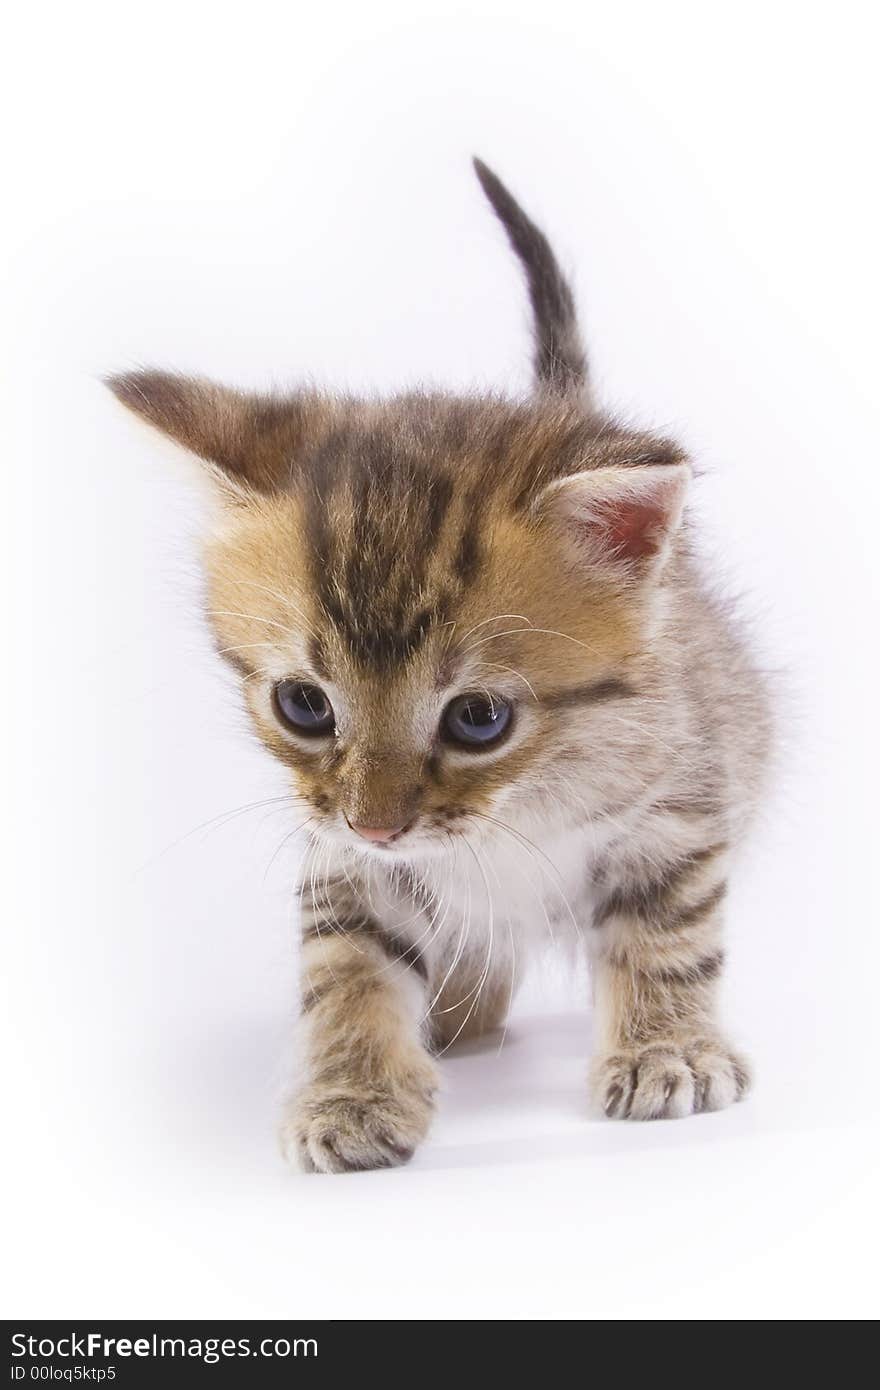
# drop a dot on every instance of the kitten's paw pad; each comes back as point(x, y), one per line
point(335, 1131)
point(667, 1080)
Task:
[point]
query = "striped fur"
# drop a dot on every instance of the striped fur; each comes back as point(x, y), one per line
point(399, 554)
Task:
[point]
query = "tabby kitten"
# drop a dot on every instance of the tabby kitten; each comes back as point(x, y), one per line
point(474, 631)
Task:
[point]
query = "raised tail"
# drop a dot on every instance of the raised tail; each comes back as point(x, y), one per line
point(559, 358)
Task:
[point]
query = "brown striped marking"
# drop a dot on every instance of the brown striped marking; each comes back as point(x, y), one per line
point(597, 693)
point(355, 975)
point(696, 807)
point(702, 971)
point(656, 900)
point(394, 949)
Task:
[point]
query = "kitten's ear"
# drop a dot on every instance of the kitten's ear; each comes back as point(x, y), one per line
point(246, 440)
point(624, 517)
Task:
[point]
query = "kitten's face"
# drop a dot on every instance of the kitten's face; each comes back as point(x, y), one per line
point(424, 637)
point(433, 602)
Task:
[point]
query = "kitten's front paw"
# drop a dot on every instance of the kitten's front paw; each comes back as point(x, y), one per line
point(348, 1129)
point(670, 1078)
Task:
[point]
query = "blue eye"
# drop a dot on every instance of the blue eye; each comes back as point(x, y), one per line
point(303, 707)
point(476, 720)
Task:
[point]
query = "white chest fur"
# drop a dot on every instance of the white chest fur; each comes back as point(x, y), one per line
point(529, 886)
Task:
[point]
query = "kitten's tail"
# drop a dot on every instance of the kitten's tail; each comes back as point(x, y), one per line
point(559, 358)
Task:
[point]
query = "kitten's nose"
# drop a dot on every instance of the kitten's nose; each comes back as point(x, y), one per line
point(378, 834)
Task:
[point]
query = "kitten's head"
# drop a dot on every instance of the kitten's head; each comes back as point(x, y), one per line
point(431, 601)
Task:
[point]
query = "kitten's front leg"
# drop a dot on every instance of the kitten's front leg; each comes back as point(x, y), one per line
point(367, 1097)
point(658, 957)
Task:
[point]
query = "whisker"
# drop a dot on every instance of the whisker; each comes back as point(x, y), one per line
point(487, 964)
point(464, 931)
point(289, 836)
point(498, 618)
point(245, 646)
point(216, 821)
point(329, 968)
point(260, 671)
point(283, 598)
point(495, 666)
point(510, 936)
point(252, 617)
point(652, 734)
point(519, 631)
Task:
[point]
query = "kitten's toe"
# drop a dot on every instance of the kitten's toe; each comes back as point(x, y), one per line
point(613, 1083)
point(664, 1085)
point(338, 1132)
point(651, 1083)
point(668, 1079)
point(721, 1076)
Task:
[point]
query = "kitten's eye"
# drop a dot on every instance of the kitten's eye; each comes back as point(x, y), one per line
point(476, 720)
point(304, 707)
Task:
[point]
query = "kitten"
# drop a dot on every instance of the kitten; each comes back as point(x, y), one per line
point(473, 630)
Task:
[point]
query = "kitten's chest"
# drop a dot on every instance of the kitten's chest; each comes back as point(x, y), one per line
point(532, 884)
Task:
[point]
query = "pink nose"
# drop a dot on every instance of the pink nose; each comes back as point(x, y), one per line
point(377, 834)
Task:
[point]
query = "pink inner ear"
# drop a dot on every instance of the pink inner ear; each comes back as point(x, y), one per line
point(633, 530)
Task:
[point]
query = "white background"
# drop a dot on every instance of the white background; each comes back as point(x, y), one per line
point(275, 192)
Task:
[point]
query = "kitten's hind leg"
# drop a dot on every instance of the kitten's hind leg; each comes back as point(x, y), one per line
point(367, 1096)
point(470, 1005)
